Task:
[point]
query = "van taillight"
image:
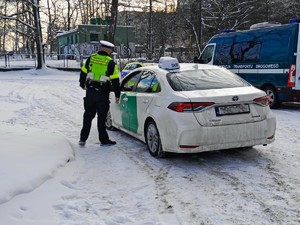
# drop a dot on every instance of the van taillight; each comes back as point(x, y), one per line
point(292, 76)
point(263, 101)
point(189, 106)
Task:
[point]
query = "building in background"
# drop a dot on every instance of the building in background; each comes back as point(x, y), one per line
point(84, 40)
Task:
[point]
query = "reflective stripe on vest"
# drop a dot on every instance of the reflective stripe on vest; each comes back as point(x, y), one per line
point(116, 73)
point(83, 69)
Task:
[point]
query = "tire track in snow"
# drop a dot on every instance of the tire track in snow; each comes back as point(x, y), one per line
point(51, 105)
point(160, 171)
point(271, 203)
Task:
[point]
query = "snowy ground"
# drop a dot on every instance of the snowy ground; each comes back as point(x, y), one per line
point(46, 179)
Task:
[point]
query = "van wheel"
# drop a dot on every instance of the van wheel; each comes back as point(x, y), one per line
point(273, 95)
point(153, 140)
point(108, 122)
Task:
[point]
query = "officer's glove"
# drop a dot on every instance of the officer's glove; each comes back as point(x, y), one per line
point(82, 85)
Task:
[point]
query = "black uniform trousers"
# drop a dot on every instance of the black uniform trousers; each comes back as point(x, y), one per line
point(95, 102)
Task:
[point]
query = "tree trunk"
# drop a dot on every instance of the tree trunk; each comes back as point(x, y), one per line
point(113, 24)
point(4, 30)
point(38, 34)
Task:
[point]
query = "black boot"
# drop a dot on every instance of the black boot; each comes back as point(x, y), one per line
point(108, 142)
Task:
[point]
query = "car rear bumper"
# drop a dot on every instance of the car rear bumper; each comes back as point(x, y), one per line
point(197, 138)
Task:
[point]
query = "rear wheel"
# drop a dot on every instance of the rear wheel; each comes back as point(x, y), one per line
point(153, 140)
point(273, 95)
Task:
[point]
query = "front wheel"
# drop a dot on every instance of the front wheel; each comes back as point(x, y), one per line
point(153, 141)
point(273, 95)
point(108, 122)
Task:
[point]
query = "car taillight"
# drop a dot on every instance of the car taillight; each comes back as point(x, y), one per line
point(292, 76)
point(189, 106)
point(263, 101)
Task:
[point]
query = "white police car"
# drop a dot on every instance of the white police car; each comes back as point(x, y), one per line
point(189, 108)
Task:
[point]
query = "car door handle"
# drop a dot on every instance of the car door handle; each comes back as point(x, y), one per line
point(125, 99)
point(145, 101)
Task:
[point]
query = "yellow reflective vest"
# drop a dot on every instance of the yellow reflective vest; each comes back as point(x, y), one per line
point(98, 67)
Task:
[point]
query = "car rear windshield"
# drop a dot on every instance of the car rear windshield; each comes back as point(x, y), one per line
point(204, 80)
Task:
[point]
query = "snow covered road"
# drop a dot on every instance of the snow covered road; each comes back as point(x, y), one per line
point(123, 184)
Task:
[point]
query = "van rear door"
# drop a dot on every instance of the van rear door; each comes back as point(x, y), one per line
point(297, 84)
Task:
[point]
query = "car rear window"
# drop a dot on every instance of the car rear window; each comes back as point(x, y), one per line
point(204, 80)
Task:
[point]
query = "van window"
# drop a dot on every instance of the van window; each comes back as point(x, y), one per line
point(207, 54)
point(261, 45)
point(243, 52)
point(275, 45)
point(222, 54)
point(250, 51)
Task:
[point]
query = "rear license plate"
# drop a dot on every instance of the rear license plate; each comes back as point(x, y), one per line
point(232, 109)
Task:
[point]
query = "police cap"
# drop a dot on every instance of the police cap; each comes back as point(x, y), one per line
point(107, 44)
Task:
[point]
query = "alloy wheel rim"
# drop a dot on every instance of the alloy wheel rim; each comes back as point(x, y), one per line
point(271, 96)
point(108, 121)
point(152, 138)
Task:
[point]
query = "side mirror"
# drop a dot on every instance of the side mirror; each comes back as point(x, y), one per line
point(195, 59)
point(198, 59)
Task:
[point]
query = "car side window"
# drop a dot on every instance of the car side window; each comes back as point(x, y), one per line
point(148, 83)
point(155, 87)
point(129, 83)
point(132, 67)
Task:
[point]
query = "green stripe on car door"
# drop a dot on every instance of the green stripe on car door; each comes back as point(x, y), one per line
point(129, 111)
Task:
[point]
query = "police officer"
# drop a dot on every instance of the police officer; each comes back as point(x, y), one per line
point(98, 74)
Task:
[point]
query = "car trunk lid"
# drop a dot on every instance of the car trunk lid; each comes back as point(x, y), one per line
point(217, 107)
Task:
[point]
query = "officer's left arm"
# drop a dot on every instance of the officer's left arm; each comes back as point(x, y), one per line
point(83, 73)
point(116, 87)
point(115, 81)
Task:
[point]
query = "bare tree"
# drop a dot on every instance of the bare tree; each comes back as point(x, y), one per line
point(60, 15)
point(34, 13)
point(3, 25)
point(113, 24)
point(38, 33)
point(293, 8)
point(159, 23)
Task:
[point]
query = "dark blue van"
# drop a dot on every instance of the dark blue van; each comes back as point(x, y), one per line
point(266, 55)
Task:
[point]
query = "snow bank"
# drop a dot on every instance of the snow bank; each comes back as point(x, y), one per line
point(24, 168)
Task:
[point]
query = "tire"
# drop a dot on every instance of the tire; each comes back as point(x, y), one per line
point(272, 93)
point(153, 140)
point(108, 122)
